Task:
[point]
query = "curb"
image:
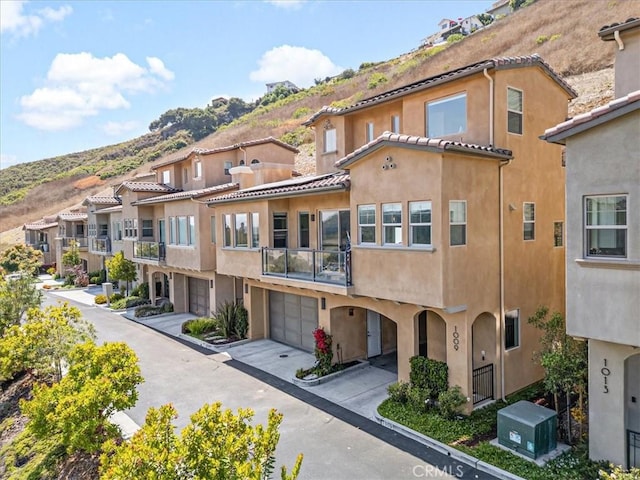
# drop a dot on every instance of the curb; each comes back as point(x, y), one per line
point(445, 449)
point(300, 382)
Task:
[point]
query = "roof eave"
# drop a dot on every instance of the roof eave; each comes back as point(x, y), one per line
point(315, 191)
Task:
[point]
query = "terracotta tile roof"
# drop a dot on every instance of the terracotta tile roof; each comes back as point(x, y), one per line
point(39, 225)
point(187, 194)
point(297, 186)
point(607, 31)
point(433, 144)
point(147, 187)
point(495, 63)
point(579, 123)
point(102, 200)
point(116, 208)
point(228, 148)
point(72, 216)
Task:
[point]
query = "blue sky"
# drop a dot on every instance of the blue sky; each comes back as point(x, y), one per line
point(80, 75)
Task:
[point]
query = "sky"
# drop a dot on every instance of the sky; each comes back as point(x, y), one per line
point(78, 75)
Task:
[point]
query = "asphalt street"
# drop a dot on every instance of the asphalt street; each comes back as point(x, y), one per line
point(336, 443)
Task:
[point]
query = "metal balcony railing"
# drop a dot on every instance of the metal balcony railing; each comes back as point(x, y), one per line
point(149, 250)
point(323, 266)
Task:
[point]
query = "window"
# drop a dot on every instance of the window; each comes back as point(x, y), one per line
point(147, 228)
point(241, 230)
point(227, 167)
point(192, 230)
point(558, 234)
point(280, 230)
point(92, 230)
point(255, 230)
point(103, 230)
point(367, 224)
point(213, 229)
point(227, 231)
point(182, 230)
point(395, 123)
point(117, 231)
point(303, 230)
point(80, 230)
point(369, 132)
point(457, 222)
point(131, 227)
point(197, 169)
point(512, 329)
point(335, 228)
point(529, 220)
point(606, 226)
point(420, 223)
point(392, 224)
point(173, 230)
point(514, 111)
point(447, 116)
point(166, 177)
point(185, 175)
point(330, 143)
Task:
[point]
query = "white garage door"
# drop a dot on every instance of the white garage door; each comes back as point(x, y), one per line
point(293, 318)
point(199, 297)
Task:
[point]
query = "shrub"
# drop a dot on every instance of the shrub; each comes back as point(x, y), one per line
point(51, 271)
point(456, 37)
point(115, 297)
point(100, 299)
point(133, 301)
point(231, 320)
point(376, 79)
point(302, 112)
point(399, 392)
point(451, 401)
point(119, 304)
point(242, 322)
point(141, 290)
point(419, 398)
point(147, 311)
point(199, 326)
point(98, 277)
point(167, 307)
point(555, 37)
point(430, 374)
point(541, 39)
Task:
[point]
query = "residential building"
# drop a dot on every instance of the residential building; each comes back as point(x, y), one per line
point(41, 236)
point(170, 232)
point(439, 240)
point(285, 83)
point(603, 250)
point(72, 233)
point(500, 8)
point(104, 223)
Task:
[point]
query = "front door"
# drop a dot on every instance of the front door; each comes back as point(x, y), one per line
point(374, 334)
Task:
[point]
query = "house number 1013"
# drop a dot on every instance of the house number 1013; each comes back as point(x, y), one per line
point(605, 375)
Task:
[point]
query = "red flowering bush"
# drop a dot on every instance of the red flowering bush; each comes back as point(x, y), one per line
point(323, 351)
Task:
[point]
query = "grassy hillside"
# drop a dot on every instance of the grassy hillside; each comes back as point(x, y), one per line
point(563, 32)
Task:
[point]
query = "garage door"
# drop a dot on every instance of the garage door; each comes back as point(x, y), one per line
point(199, 297)
point(292, 319)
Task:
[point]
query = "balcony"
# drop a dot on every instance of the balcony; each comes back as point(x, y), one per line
point(322, 266)
point(80, 242)
point(149, 251)
point(100, 246)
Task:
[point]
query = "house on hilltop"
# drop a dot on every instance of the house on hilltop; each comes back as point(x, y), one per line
point(285, 83)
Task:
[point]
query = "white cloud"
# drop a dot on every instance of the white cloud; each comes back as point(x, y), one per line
point(7, 160)
point(15, 20)
point(297, 64)
point(118, 128)
point(80, 85)
point(286, 4)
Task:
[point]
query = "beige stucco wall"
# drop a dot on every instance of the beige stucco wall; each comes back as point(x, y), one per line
point(627, 63)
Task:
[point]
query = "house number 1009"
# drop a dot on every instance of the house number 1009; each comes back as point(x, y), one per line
point(456, 338)
point(605, 374)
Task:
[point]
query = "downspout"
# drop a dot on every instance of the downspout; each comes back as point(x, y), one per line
point(500, 227)
point(616, 36)
point(244, 155)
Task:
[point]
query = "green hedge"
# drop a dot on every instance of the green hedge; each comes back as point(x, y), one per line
point(429, 374)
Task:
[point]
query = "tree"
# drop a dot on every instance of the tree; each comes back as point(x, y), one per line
point(563, 358)
point(17, 295)
point(21, 258)
point(44, 342)
point(234, 448)
point(120, 268)
point(101, 381)
point(71, 257)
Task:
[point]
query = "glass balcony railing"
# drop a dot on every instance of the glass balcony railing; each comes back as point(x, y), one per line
point(80, 242)
point(323, 266)
point(149, 250)
point(100, 245)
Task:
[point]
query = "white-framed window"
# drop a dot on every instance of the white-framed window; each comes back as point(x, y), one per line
point(514, 110)
point(447, 116)
point(512, 329)
point(103, 230)
point(226, 240)
point(173, 230)
point(117, 231)
point(79, 229)
point(183, 234)
point(192, 230)
point(367, 224)
point(457, 222)
point(91, 230)
point(213, 229)
point(606, 225)
point(369, 132)
point(147, 228)
point(166, 177)
point(241, 237)
point(197, 169)
point(227, 167)
point(280, 230)
point(303, 229)
point(131, 227)
point(185, 175)
point(420, 223)
point(182, 230)
point(529, 221)
point(330, 140)
point(558, 234)
point(395, 123)
point(392, 223)
point(255, 230)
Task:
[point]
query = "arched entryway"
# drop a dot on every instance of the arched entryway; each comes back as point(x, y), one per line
point(632, 409)
point(432, 335)
point(483, 333)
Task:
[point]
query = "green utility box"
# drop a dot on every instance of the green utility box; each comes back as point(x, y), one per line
point(527, 428)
